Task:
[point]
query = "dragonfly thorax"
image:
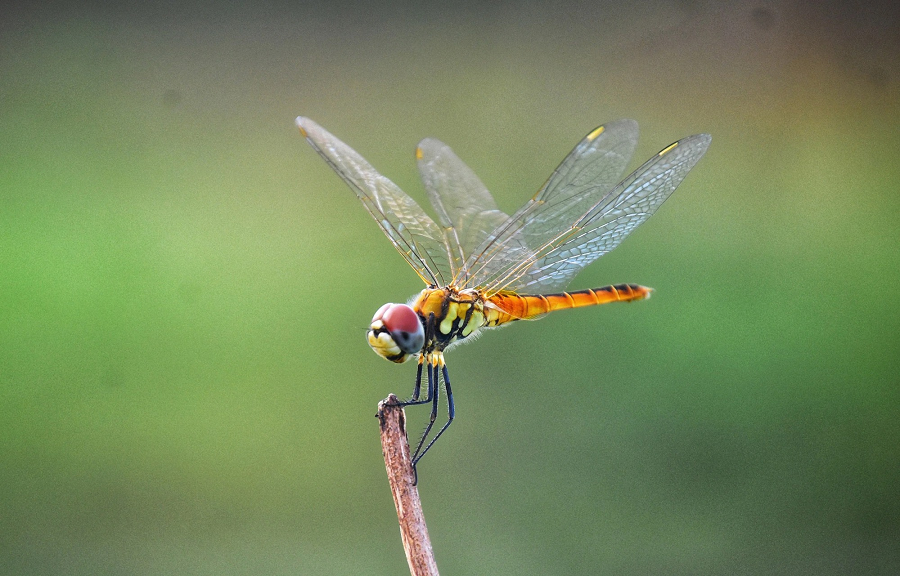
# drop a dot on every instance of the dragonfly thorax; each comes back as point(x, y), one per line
point(449, 315)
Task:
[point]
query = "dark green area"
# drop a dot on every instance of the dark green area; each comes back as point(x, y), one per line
point(185, 285)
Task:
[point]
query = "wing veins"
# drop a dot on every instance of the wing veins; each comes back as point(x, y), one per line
point(594, 165)
point(621, 198)
point(409, 252)
point(411, 231)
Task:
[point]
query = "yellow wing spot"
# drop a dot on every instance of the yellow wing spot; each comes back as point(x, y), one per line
point(419, 153)
point(597, 131)
point(302, 131)
point(667, 148)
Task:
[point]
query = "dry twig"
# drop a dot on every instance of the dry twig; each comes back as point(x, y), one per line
point(401, 477)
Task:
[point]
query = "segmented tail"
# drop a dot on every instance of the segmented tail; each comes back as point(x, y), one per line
point(506, 307)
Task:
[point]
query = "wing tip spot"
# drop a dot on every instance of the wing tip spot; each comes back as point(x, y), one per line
point(299, 123)
point(419, 153)
point(597, 131)
point(667, 149)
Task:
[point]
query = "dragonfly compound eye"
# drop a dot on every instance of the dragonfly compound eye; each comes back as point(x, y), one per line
point(396, 332)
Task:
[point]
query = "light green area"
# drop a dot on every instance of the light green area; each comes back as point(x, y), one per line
point(185, 285)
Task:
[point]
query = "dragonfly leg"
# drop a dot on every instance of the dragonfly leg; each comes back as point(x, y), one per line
point(431, 396)
point(451, 412)
point(418, 387)
point(415, 400)
point(423, 359)
point(435, 384)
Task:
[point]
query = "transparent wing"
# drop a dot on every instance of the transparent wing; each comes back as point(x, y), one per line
point(586, 175)
point(412, 232)
point(466, 210)
point(557, 256)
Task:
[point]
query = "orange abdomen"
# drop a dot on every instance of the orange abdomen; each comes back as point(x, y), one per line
point(506, 307)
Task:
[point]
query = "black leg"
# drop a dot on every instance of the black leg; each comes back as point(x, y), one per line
point(418, 387)
point(415, 401)
point(426, 359)
point(451, 412)
point(433, 384)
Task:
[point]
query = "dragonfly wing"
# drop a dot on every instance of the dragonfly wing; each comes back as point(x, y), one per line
point(588, 173)
point(412, 232)
point(606, 223)
point(466, 210)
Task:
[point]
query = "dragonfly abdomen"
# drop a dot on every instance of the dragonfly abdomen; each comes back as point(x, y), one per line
point(507, 307)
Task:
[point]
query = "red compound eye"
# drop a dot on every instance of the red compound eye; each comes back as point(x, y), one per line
point(403, 324)
point(400, 317)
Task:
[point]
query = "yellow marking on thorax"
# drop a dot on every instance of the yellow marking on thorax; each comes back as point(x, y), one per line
point(452, 313)
point(475, 322)
point(432, 301)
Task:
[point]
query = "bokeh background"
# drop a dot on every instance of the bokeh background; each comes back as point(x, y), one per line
point(185, 285)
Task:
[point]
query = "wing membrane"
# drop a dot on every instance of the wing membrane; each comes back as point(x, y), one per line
point(412, 232)
point(466, 210)
point(557, 254)
point(587, 174)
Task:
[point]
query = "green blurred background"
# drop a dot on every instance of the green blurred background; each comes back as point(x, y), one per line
point(185, 285)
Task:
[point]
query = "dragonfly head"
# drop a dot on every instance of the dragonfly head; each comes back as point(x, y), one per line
point(396, 333)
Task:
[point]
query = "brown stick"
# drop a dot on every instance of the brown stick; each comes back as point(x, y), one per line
point(401, 477)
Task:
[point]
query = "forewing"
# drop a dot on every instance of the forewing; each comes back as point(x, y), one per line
point(587, 174)
point(606, 223)
point(466, 210)
point(412, 232)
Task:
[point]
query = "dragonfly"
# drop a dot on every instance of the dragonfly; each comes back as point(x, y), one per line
point(484, 268)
